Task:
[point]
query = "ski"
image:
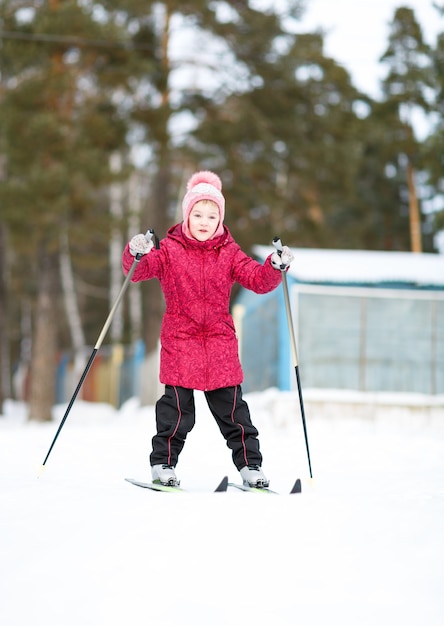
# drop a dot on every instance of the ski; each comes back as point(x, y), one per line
point(252, 489)
point(222, 486)
point(297, 488)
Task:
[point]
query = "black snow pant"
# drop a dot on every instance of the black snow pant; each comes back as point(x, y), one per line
point(175, 418)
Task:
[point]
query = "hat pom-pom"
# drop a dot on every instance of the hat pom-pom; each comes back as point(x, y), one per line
point(205, 177)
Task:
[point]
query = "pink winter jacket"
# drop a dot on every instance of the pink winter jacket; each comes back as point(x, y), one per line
point(199, 347)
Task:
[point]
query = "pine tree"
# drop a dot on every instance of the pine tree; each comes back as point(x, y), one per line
point(405, 86)
point(243, 34)
point(433, 149)
point(59, 122)
point(291, 141)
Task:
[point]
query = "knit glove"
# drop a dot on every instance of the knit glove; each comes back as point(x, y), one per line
point(282, 260)
point(141, 244)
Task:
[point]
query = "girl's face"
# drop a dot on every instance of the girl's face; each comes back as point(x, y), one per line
point(203, 220)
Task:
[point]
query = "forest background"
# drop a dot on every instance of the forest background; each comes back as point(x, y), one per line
point(107, 108)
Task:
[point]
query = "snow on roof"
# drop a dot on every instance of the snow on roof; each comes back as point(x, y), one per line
point(363, 266)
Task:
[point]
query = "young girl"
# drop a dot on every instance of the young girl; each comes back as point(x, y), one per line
point(197, 264)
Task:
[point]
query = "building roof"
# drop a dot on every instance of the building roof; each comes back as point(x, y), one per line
point(363, 266)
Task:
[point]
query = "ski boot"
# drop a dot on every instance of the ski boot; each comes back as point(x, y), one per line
point(253, 476)
point(165, 475)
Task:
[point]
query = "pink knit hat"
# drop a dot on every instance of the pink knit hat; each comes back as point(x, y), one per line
point(203, 186)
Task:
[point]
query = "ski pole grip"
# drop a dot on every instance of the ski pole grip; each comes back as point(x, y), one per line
point(277, 243)
point(150, 234)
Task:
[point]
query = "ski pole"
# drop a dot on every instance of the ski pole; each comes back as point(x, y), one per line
point(278, 245)
point(150, 233)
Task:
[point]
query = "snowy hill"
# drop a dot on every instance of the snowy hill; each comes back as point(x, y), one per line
point(363, 544)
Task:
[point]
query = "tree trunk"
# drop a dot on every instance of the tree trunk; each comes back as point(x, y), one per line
point(5, 388)
point(69, 296)
point(415, 220)
point(158, 214)
point(115, 248)
point(134, 226)
point(43, 360)
point(158, 219)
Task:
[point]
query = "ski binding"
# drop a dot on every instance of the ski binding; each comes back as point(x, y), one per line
point(297, 488)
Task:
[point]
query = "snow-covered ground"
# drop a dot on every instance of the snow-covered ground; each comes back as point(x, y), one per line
point(363, 544)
